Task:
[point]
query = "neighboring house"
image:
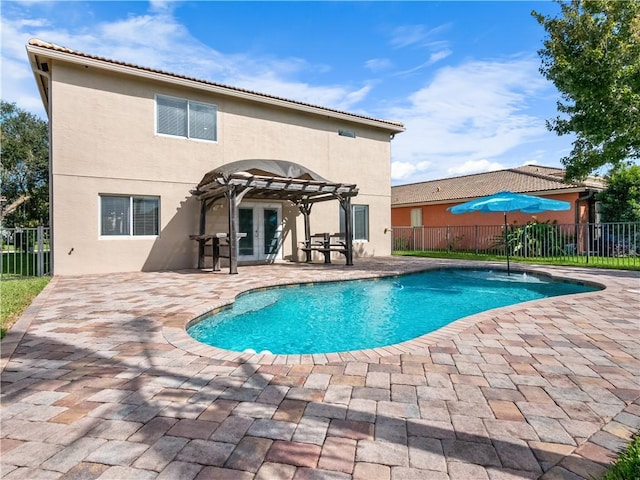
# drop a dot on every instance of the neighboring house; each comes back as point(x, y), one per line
point(426, 203)
point(141, 159)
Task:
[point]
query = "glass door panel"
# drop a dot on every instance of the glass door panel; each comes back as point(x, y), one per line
point(262, 224)
point(245, 225)
point(270, 227)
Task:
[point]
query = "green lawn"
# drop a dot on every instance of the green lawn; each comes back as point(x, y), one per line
point(627, 465)
point(624, 263)
point(15, 297)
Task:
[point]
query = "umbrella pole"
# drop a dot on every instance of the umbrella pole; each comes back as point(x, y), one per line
point(506, 242)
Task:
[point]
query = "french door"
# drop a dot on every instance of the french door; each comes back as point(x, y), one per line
point(262, 222)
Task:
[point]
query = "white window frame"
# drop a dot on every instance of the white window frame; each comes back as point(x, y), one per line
point(188, 136)
point(130, 219)
point(354, 207)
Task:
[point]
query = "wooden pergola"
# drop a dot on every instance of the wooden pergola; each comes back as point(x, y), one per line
point(271, 180)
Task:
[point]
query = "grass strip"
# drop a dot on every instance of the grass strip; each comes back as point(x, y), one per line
point(630, 263)
point(15, 297)
point(627, 465)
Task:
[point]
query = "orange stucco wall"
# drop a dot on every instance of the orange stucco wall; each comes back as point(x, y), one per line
point(439, 216)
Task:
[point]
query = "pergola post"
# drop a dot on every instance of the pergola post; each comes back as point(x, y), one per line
point(233, 237)
point(348, 229)
point(203, 216)
point(202, 229)
point(272, 180)
point(305, 208)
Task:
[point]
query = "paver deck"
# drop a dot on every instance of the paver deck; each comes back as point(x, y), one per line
point(100, 380)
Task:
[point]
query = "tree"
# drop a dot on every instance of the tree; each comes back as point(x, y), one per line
point(24, 148)
point(592, 55)
point(621, 199)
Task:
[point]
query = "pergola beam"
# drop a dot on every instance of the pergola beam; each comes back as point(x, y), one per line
point(300, 191)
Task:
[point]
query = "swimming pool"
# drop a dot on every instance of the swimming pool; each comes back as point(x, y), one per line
point(355, 315)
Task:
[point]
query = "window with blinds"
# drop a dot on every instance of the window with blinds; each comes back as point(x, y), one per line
point(129, 215)
point(184, 118)
point(145, 216)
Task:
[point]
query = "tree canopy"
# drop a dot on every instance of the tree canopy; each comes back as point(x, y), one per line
point(24, 172)
point(621, 199)
point(592, 55)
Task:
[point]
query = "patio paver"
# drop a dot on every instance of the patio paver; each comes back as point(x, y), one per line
point(101, 380)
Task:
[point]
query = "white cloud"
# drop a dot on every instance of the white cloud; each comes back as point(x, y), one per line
point(474, 166)
point(378, 64)
point(405, 35)
point(157, 40)
point(433, 58)
point(459, 118)
point(404, 170)
point(417, 35)
point(470, 118)
point(439, 55)
point(162, 5)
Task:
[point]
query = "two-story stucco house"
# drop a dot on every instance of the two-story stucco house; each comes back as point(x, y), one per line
point(142, 159)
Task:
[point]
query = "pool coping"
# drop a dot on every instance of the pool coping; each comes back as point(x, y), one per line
point(179, 338)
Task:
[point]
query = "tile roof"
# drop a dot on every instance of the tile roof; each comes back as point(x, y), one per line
point(525, 179)
point(397, 126)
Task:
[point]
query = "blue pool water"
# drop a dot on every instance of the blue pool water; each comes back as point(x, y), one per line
point(353, 315)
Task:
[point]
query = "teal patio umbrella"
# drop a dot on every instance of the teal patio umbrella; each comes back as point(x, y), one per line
point(510, 202)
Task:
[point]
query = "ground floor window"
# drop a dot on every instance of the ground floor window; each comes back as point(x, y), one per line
point(122, 215)
point(359, 220)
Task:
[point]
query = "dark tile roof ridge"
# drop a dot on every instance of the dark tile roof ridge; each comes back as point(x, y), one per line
point(458, 177)
point(445, 179)
point(518, 170)
point(36, 42)
point(544, 176)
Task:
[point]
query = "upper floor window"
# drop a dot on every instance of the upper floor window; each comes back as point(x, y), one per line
point(126, 216)
point(185, 118)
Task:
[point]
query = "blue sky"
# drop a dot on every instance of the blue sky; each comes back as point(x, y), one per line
point(462, 76)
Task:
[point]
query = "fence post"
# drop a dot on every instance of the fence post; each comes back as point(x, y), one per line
point(476, 235)
point(40, 250)
point(589, 240)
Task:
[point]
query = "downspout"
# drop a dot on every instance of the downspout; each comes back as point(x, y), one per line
point(52, 253)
